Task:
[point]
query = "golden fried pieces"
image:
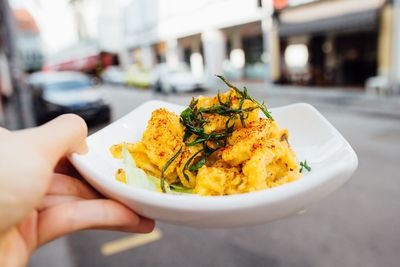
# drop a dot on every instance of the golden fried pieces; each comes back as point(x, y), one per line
point(255, 156)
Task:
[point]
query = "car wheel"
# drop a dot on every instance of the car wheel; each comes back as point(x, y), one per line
point(107, 116)
point(157, 87)
point(173, 90)
point(37, 111)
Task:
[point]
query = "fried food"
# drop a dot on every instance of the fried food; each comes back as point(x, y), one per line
point(219, 146)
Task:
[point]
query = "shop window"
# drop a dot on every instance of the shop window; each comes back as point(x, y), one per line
point(296, 56)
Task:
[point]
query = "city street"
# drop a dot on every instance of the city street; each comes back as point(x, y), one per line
point(96, 59)
point(358, 225)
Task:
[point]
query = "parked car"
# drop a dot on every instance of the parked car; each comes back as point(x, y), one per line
point(175, 79)
point(379, 85)
point(57, 93)
point(113, 75)
point(138, 76)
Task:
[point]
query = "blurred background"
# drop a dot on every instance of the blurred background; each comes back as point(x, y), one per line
point(100, 59)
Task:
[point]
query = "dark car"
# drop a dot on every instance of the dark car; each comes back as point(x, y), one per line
point(57, 93)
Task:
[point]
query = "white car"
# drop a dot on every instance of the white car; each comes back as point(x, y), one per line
point(175, 79)
point(113, 75)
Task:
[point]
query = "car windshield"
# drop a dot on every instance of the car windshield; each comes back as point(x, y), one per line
point(68, 85)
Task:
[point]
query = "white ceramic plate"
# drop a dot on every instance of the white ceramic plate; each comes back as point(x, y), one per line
point(312, 137)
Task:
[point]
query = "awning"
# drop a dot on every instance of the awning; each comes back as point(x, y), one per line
point(346, 23)
point(325, 16)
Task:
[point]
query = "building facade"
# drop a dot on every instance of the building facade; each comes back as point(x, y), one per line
point(344, 42)
point(212, 37)
point(303, 42)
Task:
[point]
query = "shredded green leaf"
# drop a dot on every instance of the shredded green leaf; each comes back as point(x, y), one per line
point(179, 188)
point(304, 165)
point(135, 176)
point(162, 180)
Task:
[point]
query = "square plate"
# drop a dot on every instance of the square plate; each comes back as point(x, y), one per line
point(312, 137)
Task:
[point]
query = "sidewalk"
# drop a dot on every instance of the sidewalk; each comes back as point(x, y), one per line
point(351, 99)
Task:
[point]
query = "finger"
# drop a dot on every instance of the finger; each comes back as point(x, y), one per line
point(59, 137)
point(62, 184)
point(89, 214)
point(51, 201)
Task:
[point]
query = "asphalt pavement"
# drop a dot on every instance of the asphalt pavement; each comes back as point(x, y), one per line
point(358, 225)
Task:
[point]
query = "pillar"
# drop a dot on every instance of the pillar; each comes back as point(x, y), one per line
point(385, 41)
point(214, 52)
point(236, 55)
point(174, 53)
point(273, 53)
point(147, 56)
point(395, 67)
point(196, 58)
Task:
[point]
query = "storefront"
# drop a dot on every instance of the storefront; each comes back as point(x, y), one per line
point(245, 57)
point(342, 39)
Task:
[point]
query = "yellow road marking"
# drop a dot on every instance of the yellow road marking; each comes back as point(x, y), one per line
point(301, 212)
point(130, 242)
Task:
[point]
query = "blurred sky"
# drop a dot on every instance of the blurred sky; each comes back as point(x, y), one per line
point(55, 19)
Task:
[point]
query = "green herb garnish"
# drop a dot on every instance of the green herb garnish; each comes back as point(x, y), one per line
point(304, 165)
point(245, 95)
point(194, 119)
point(164, 168)
point(179, 188)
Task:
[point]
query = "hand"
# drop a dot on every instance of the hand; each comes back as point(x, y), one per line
point(40, 201)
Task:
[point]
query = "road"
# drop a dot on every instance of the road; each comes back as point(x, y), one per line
point(358, 225)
